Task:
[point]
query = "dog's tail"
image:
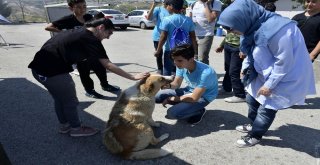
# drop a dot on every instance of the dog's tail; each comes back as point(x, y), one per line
point(149, 154)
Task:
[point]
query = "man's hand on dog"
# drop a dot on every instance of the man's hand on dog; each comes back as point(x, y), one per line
point(171, 100)
point(142, 75)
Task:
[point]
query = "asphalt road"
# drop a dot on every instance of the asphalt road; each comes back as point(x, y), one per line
point(28, 124)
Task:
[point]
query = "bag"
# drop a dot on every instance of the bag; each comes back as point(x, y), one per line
point(179, 37)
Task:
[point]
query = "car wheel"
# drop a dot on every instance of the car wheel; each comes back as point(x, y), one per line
point(123, 27)
point(143, 25)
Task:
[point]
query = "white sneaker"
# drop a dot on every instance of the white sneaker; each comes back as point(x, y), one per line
point(245, 128)
point(234, 99)
point(247, 141)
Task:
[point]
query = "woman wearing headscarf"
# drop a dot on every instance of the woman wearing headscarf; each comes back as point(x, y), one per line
point(277, 71)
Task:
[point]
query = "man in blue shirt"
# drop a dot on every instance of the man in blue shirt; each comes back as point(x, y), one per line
point(169, 23)
point(202, 87)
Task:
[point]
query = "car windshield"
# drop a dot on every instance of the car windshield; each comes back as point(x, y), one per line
point(111, 12)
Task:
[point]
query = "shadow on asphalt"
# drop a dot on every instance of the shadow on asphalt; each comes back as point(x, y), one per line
point(213, 121)
point(296, 137)
point(29, 130)
point(312, 103)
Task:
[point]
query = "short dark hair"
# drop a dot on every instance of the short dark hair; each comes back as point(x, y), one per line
point(270, 7)
point(176, 4)
point(96, 22)
point(98, 15)
point(73, 2)
point(186, 51)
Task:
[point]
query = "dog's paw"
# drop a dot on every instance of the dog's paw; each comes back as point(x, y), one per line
point(164, 136)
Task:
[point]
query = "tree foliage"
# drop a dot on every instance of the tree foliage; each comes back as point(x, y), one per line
point(5, 10)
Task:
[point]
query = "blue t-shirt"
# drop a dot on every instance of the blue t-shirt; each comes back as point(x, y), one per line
point(158, 14)
point(202, 77)
point(175, 20)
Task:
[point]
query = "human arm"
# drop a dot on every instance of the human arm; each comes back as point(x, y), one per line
point(315, 52)
point(212, 12)
point(194, 42)
point(162, 41)
point(221, 46)
point(115, 69)
point(151, 10)
point(50, 27)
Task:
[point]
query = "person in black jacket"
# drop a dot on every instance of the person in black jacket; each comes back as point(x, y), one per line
point(74, 21)
point(53, 62)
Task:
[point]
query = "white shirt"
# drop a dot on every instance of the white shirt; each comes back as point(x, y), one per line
point(203, 27)
point(284, 66)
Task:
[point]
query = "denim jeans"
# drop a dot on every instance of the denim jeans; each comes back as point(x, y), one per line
point(260, 117)
point(181, 110)
point(232, 66)
point(62, 89)
point(168, 65)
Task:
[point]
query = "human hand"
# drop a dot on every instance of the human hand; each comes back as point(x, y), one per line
point(264, 91)
point(171, 100)
point(166, 86)
point(219, 49)
point(157, 53)
point(242, 55)
point(140, 76)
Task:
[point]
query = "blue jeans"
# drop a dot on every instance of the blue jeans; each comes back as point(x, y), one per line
point(181, 110)
point(260, 117)
point(168, 66)
point(62, 89)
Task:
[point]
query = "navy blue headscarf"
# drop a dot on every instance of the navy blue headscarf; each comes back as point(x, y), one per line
point(257, 25)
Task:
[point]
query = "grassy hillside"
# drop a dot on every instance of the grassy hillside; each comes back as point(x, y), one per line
point(35, 12)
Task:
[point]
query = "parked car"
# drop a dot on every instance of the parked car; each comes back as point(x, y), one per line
point(118, 18)
point(138, 18)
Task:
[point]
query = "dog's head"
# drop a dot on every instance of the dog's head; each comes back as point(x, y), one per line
point(152, 84)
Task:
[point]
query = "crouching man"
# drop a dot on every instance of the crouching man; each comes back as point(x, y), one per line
point(190, 101)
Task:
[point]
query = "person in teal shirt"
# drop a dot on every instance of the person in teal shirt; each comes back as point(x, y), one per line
point(190, 101)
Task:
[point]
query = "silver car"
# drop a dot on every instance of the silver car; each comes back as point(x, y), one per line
point(138, 18)
point(118, 18)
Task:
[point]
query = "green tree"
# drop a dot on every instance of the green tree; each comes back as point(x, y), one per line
point(5, 10)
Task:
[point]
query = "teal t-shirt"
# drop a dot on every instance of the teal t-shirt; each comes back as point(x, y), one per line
point(158, 15)
point(202, 77)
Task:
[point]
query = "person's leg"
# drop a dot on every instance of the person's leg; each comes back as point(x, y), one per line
point(204, 46)
point(165, 93)
point(253, 106)
point(84, 71)
point(184, 110)
point(101, 73)
point(158, 59)
point(167, 64)
point(226, 83)
point(234, 72)
point(62, 89)
point(262, 122)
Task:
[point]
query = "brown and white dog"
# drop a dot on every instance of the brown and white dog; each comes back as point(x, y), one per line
point(129, 130)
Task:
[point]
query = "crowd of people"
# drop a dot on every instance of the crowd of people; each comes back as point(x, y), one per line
point(265, 55)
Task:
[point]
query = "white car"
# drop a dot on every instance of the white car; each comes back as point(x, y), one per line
point(118, 18)
point(138, 18)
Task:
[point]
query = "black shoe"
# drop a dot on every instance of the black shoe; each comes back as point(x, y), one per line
point(110, 88)
point(193, 120)
point(94, 94)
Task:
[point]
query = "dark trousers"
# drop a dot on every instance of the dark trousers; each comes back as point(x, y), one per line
point(84, 68)
point(232, 66)
point(159, 59)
